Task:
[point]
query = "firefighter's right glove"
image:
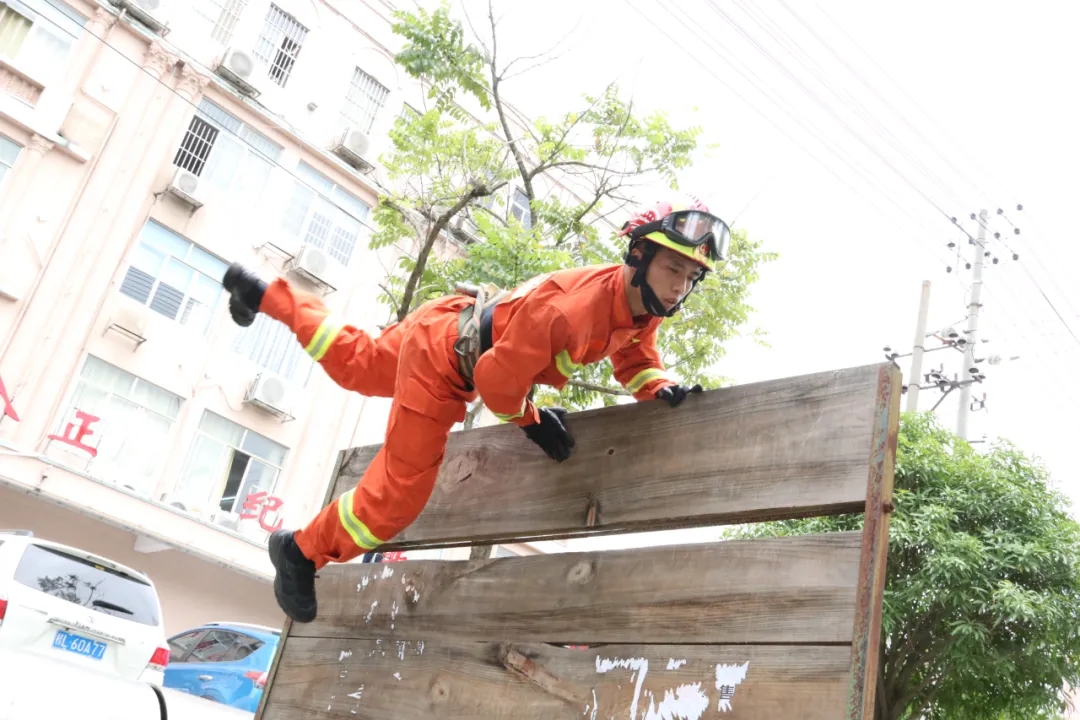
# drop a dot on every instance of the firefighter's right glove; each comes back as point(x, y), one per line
point(245, 293)
point(551, 433)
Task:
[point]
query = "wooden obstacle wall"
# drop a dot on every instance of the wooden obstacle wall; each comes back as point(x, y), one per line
point(758, 629)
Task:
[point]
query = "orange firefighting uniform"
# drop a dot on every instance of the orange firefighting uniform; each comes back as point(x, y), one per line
point(541, 333)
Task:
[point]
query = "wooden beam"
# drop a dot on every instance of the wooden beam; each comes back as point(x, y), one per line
point(780, 449)
point(777, 590)
point(865, 656)
point(411, 680)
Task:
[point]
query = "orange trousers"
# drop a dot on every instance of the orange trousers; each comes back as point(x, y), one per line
point(413, 362)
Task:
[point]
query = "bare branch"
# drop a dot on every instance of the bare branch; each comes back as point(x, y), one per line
point(529, 68)
point(542, 55)
point(519, 157)
point(597, 388)
point(389, 295)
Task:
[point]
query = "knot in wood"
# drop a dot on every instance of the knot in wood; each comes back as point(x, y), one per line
point(580, 573)
point(440, 690)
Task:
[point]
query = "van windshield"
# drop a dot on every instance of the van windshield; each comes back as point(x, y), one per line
point(79, 581)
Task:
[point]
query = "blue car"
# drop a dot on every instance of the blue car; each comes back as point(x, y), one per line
point(224, 662)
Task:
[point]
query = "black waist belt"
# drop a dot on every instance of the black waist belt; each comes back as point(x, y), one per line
point(485, 328)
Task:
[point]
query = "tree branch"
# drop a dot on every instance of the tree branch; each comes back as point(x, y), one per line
point(597, 388)
point(519, 157)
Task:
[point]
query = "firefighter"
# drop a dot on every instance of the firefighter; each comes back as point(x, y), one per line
point(485, 342)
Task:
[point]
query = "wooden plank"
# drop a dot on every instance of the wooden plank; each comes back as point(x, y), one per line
point(779, 449)
point(276, 661)
point(866, 636)
point(410, 680)
point(776, 590)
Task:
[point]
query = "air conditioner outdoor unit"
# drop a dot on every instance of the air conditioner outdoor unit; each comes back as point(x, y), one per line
point(238, 67)
point(185, 186)
point(151, 13)
point(273, 394)
point(315, 265)
point(352, 147)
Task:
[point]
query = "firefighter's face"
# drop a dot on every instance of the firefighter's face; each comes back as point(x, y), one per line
point(671, 276)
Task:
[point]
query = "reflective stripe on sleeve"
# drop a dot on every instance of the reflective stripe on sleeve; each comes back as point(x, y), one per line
point(565, 365)
point(508, 418)
point(643, 378)
point(324, 338)
point(357, 530)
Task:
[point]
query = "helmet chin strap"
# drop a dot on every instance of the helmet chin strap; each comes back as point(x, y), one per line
point(652, 303)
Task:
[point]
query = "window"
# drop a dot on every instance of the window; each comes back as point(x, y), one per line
point(217, 18)
point(174, 277)
point(80, 581)
point(519, 208)
point(228, 462)
point(180, 645)
point(501, 552)
point(272, 346)
point(364, 100)
point(212, 648)
point(136, 419)
point(279, 44)
point(37, 35)
point(322, 214)
point(9, 153)
point(243, 645)
point(226, 153)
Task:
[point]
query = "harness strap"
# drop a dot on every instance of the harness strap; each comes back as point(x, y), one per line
point(474, 328)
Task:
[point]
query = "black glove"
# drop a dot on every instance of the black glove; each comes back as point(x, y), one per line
point(675, 394)
point(551, 433)
point(245, 293)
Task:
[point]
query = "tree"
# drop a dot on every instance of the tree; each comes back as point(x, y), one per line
point(982, 599)
point(450, 170)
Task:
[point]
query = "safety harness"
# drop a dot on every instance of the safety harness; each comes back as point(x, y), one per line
point(474, 327)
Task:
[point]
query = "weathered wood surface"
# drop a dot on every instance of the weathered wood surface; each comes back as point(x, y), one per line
point(413, 680)
point(779, 449)
point(777, 590)
point(866, 636)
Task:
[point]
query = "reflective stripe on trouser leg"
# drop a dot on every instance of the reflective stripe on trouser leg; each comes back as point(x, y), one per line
point(358, 531)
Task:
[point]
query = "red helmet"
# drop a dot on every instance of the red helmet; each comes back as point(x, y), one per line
point(683, 225)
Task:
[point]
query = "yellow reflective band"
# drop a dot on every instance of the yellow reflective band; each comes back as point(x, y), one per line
point(357, 530)
point(508, 418)
point(566, 366)
point(323, 338)
point(644, 377)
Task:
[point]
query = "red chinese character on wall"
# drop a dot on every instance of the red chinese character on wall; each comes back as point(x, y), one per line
point(258, 505)
point(9, 409)
point(74, 434)
point(395, 556)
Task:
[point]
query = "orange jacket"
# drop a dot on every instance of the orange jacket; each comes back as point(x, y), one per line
point(555, 323)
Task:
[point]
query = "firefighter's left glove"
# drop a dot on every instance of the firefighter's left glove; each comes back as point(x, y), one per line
point(675, 394)
point(246, 291)
point(551, 433)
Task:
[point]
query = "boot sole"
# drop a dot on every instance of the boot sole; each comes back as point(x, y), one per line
point(295, 612)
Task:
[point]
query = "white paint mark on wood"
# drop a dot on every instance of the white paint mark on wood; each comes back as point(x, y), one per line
point(674, 664)
point(686, 702)
point(727, 677)
point(387, 572)
point(401, 649)
point(358, 694)
point(640, 666)
point(344, 654)
point(398, 676)
point(363, 582)
point(420, 648)
point(374, 604)
point(393, 610)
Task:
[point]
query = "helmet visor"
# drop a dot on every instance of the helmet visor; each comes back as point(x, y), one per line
point(693, 228)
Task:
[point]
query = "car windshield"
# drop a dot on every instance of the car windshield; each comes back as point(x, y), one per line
point(80, 581)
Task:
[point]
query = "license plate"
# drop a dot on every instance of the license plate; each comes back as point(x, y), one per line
point(79, 645)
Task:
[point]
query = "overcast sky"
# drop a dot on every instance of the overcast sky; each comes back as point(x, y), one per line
point(955, 107)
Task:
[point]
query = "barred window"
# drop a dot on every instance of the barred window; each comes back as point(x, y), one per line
point(363, 101)
point(218, 18)
point(195, 148)
point(279, 44)
point(329, 219)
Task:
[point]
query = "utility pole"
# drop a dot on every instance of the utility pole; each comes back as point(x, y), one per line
point(969, 370)
point(918, 349)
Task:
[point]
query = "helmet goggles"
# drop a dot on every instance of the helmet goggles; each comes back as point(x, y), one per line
point(691, 229)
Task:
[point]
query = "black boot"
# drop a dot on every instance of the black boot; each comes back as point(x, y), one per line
point(294, 581)
point(246, 292)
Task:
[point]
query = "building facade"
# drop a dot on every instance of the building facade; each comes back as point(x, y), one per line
point(140, 153)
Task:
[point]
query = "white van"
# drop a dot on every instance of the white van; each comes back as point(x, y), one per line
point(66, 604)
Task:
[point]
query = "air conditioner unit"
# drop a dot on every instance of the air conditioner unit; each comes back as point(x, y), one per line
point(185, 186)
point(131, 321)
point(151, 13)
point(315, 265)
point(238, 67)
point(352, 147)
point(272, 393)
